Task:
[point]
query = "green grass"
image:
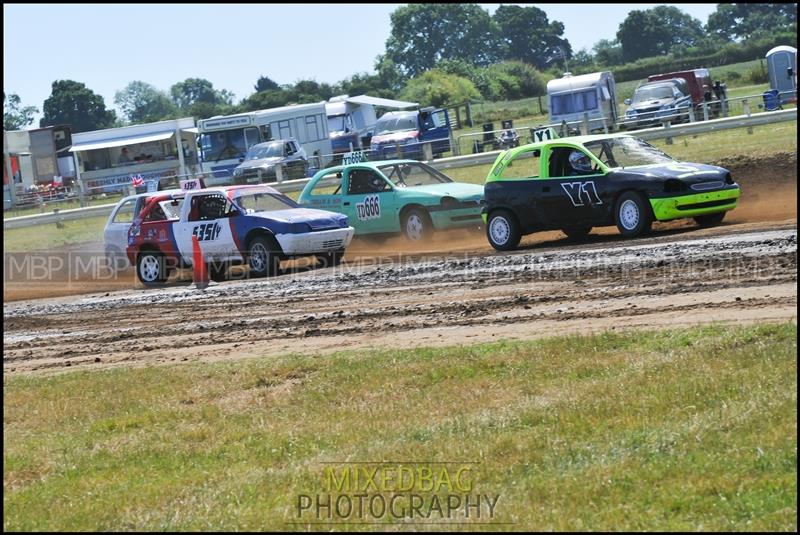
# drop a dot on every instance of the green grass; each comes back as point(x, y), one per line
point(49, 237)
point(689, 429)
point(61, 205)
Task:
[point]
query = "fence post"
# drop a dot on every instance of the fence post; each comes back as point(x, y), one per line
point(279, 173)
point(705, 111)
point(469, 114)
point(746, 109)
point(427, 152)
point(666, 127)
point(691, 113)
point(585, 124)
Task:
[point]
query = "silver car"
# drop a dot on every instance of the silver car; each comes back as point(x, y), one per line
point(262, 159)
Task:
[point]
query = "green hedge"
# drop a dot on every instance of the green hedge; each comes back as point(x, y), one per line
point(727, 54)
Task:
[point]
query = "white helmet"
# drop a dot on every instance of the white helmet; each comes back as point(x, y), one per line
point(580, 162)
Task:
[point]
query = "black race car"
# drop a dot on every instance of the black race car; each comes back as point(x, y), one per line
point(576, 183)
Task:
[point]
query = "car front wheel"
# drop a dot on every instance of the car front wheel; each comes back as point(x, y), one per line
point(633, 215)
point(263, 257)
point(502, 230)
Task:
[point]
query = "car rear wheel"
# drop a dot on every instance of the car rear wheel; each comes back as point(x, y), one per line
point(417, 225)
point(633, 215)
point(502, 230)
point(263, 257)
point(151, 268)
point(710, 220)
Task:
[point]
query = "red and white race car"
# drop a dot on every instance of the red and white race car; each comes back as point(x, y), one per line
point(256, 225)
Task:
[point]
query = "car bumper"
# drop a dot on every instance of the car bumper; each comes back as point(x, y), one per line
point(315, 242)
point(695, 204)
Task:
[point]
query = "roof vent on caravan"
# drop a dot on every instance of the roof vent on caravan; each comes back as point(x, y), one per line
point(339, 98)
point(567, 75)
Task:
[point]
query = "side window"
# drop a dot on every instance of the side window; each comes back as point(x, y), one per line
point(208, 207)
point(328, 184)
point(125, 212)
point(526, 165)
point(156, 213)
point(365, 181)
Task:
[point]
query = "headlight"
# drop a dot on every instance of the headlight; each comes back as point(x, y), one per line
point(630, 112)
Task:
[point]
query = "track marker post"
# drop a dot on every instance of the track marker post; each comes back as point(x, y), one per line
point(199, 269)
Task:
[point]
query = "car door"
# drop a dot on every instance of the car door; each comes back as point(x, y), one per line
point(569, 197)
point(369, 201)
point(209, 219)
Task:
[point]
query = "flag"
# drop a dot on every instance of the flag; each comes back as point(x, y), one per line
point(137, 180)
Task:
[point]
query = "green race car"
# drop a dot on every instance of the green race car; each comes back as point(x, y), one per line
point(395, 196)
point(576, 183)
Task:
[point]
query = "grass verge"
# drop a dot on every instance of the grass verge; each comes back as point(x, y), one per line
point(687, 429)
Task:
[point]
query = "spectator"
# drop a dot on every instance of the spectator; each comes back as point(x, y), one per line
point(123, 156)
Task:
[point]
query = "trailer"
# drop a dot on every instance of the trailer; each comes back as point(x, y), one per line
point(573, 98)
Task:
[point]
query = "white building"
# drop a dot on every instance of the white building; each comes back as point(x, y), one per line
point(107, 160)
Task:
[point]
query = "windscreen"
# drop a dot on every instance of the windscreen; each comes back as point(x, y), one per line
point(271, 150)
point(627, 152)
point(653, 93)
point(395, 123)
point(264, 201)
point(413, 174)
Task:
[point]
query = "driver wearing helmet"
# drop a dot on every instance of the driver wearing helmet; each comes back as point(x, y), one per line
point(580, 164)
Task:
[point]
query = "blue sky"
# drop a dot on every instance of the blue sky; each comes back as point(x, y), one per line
point(108, 46)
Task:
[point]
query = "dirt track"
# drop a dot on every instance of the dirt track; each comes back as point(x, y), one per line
point(456, 291)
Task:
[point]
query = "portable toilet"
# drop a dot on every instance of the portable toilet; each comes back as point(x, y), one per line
point(782, 68)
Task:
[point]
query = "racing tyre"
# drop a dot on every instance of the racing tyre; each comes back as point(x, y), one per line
point(710, 220)
point(632, 214)
point(575, 233)
point(417, 225)
point(263, 257)
point(151, 268)
point(502, 230)
point(331, 259)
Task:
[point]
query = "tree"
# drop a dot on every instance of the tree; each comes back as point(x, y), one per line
point(193, 90)
point(527, 35)
point(424, 34)
point(198, 98)
point(140, 102)
point(742, 21)
point(73, 103)
point(655, 31)
point(265, 83)
point(14, 116)
point(437, 88)
point(608, 52)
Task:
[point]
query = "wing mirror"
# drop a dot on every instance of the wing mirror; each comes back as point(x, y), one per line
point(627, 102)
